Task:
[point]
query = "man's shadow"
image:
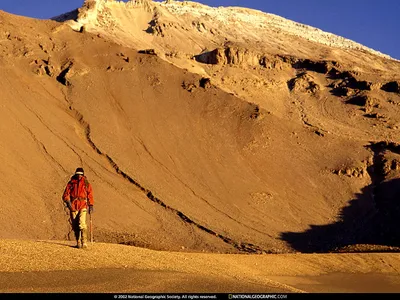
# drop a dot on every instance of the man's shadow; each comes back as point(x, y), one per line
point(358, 223)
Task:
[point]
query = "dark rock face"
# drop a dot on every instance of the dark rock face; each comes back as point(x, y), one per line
point(316, 66)
point(391, 87)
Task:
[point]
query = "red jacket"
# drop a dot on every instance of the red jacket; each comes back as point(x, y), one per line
point(79, 192)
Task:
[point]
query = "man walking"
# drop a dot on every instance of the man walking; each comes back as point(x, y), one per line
point(78, 197)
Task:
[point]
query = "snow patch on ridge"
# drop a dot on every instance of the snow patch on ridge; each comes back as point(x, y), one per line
point(260, 21)
point(256, 26)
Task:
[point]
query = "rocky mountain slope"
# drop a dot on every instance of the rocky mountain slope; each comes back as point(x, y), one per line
point(201, 129)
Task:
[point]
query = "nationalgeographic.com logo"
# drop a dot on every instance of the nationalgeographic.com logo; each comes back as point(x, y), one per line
point(257, 296)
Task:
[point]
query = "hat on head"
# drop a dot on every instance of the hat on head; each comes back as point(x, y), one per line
point(79, 171)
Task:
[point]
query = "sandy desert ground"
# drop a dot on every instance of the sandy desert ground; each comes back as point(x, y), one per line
point(57, 267)
point(229, 151)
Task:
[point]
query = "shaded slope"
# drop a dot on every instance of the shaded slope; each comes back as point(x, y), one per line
point(355, 231)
